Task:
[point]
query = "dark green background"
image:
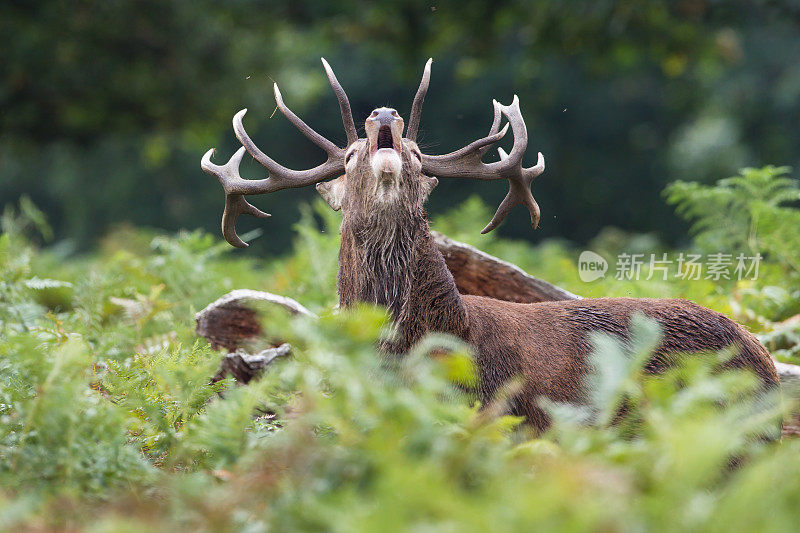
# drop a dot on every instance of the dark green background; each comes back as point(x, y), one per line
point(107, 107)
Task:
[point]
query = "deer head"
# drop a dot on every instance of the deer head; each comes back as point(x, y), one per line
point(383, 172)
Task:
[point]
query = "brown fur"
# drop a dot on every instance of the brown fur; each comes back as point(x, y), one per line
point(388, 257)
point(547, 343)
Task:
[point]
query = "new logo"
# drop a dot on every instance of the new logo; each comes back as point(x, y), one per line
point(591, 266)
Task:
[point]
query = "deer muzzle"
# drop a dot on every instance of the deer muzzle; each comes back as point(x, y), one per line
point(384, 129)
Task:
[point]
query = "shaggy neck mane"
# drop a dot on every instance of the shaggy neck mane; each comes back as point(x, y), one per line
point(384, 243)
point(389, 258)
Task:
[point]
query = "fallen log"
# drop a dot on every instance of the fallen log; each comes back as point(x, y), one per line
point(244, 366)
point(231, 321)
point(481, 274)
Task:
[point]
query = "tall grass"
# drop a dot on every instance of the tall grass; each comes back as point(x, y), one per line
point(109, 420)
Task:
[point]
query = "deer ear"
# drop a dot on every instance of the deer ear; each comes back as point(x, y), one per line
point(428, 183)
point(333, 191)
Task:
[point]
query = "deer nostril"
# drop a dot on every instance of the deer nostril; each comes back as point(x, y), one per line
point(384, 116)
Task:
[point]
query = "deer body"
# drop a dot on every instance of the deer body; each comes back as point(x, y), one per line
point(546, 343)
point(388, 257)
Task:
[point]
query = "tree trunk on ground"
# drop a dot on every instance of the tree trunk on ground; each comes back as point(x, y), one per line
point(481, 274)
point(232, 323)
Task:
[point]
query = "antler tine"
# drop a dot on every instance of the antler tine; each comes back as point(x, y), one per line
point(416, 107)
point(235, 204)
point(466, 163)
point(280, 177)
point(304, 128)
point(344, 104)
point(519, 192)
point(495, 126)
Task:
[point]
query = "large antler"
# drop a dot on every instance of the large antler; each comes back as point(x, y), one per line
point(467, 162)
point(280, 177)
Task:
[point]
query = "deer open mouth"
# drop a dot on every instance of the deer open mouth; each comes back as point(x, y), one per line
point(384, 129)
point(385, 139)
point(386, 162)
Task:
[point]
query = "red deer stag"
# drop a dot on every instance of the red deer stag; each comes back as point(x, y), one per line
point(388, 256)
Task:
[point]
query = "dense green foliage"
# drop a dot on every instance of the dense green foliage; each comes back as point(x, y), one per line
point(108, 419)
point(756, 210)
point(108, 106)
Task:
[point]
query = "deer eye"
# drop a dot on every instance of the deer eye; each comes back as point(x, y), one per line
point(417, 155)
point(349, 156)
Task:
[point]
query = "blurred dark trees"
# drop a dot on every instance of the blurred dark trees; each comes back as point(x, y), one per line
point(106, 107)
